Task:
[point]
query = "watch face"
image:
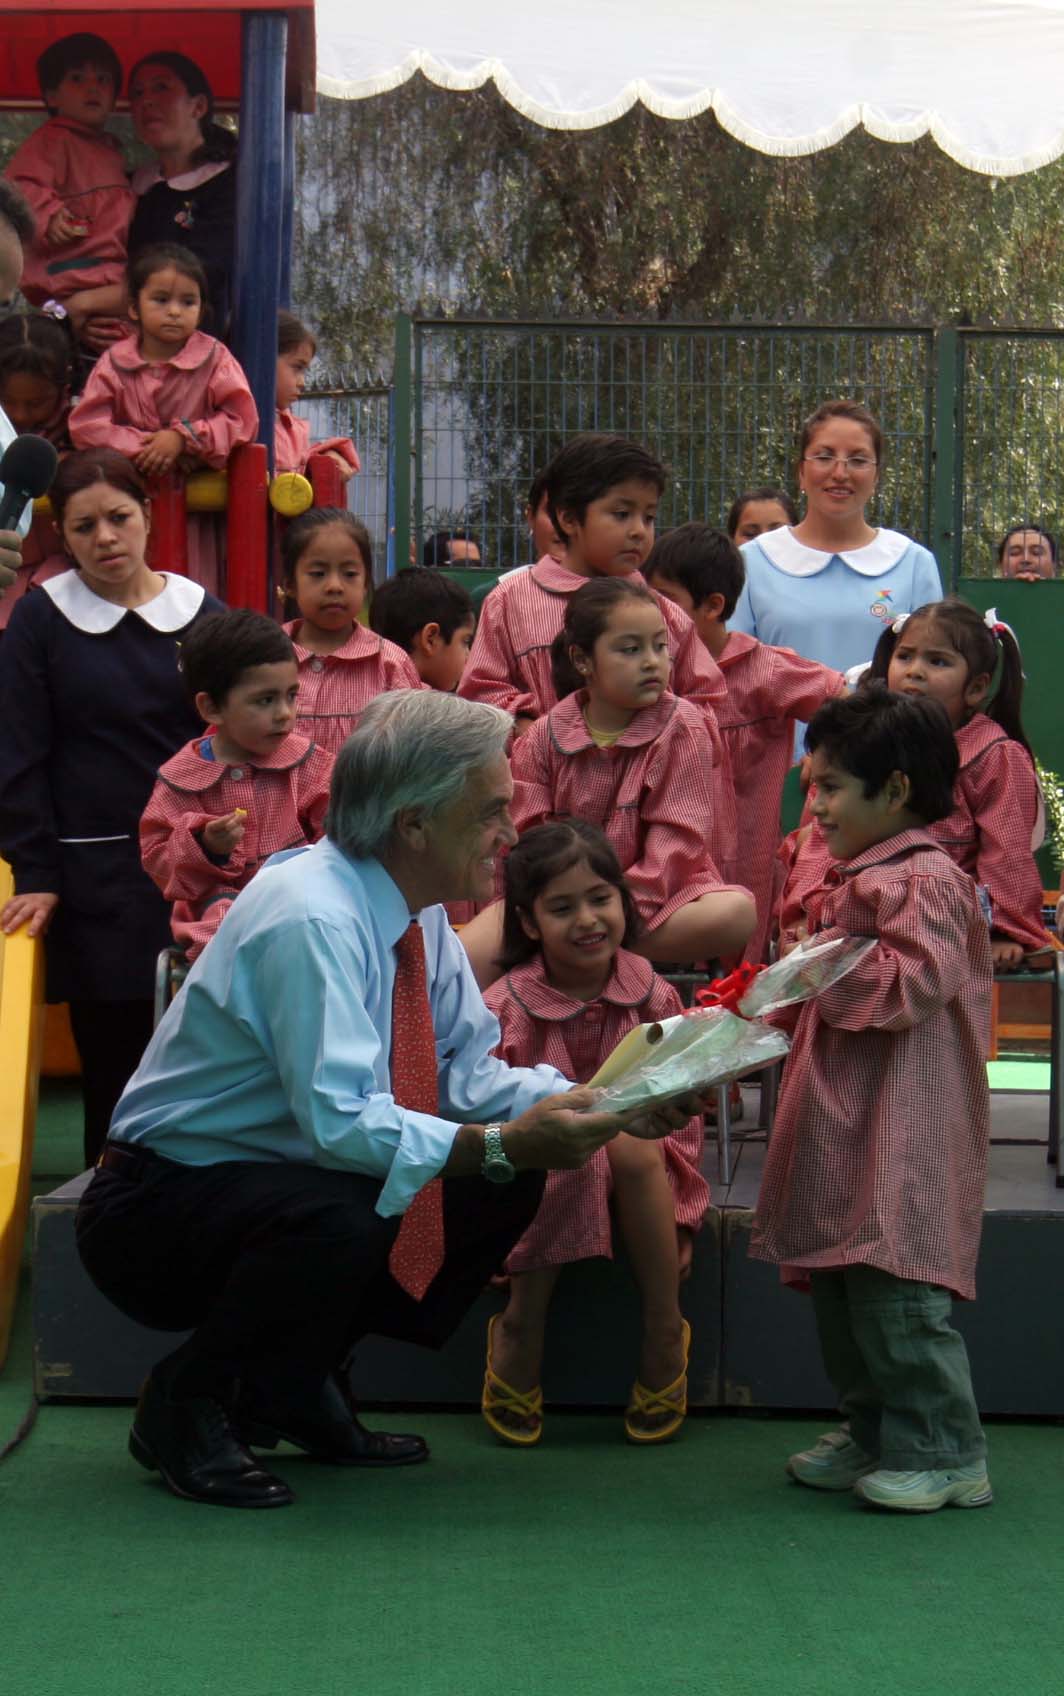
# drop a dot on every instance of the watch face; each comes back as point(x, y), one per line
point(500, 1171)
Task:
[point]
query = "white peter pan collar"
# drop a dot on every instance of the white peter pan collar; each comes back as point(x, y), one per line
point(783, 550)
point(173, 608)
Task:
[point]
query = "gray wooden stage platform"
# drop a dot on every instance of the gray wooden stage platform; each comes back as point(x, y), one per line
point(754, 1343)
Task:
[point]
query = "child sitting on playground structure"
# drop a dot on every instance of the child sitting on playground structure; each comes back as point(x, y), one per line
point(770, 690)
point(431, 618)
point(169, 397)
point(251, 787)
point(872, 1191)
point(73, 176)
point(292, 446)
point(36, 375)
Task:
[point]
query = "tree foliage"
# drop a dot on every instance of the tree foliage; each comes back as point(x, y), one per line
point(457, 202)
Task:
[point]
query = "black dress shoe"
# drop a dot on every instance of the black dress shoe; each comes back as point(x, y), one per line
point(192, 1444)
point(326, 1427)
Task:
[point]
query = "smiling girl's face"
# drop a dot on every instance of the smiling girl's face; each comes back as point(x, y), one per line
point(578, 920)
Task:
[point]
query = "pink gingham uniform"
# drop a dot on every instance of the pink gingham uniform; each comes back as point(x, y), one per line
point(202, 393)
point(649, 792)
point(879, 1149)
point(541, 1023)
point(292, 446)
point(989, 831)
point(509, 667)
point(803, 867)
point(335, 688)
point(72, 165)
point(285, 796)
point(769, 691)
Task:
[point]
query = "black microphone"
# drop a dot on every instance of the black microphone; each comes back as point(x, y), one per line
point(26, 471)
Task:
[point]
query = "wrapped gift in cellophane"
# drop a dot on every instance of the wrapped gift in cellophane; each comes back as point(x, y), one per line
point(695, 1051)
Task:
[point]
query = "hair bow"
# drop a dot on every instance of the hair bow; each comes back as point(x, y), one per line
point(997, 625)
point(899, 623)
point(54, 309)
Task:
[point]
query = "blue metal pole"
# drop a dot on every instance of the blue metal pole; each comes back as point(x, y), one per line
point(288, 207)
point(260, 209)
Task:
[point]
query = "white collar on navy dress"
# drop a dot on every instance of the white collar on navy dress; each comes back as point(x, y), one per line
point(171, 609)
point(783, 550)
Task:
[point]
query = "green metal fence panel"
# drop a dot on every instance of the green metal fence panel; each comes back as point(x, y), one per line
point(1010, 459)
point(364, 414)
point(720, 404)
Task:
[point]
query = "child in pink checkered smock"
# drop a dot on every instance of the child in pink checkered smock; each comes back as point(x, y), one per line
point(293, 449)
point(572, 989)
point(601, 494)
point(872, 1191)
point(971, 662)
point(770, 691)
point(169, 397)
point(625, 753)
point(249, 789)
point(327, 569)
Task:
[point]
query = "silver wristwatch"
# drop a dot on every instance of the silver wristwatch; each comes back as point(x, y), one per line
point(495, 1165)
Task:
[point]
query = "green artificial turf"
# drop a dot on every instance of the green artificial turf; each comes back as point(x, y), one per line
point(583, 1568)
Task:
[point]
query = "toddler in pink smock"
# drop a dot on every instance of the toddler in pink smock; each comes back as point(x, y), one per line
point(872, 1193)
point(572, 990)
point(292, 446)
point(327, 563)
point(73, 176)
point(170, 397)
point(227, 801)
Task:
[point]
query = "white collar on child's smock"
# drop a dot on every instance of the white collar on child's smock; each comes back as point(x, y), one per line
point(783, 550)
point(173, 608)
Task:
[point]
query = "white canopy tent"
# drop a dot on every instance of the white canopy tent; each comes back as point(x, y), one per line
point(983, 77)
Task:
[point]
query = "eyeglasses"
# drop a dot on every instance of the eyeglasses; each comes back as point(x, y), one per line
point(849, 462)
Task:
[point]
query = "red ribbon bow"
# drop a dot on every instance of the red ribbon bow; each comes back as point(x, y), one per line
point(728, 991)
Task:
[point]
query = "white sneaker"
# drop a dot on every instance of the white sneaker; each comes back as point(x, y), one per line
point(923, 1492)
point(833, 1463)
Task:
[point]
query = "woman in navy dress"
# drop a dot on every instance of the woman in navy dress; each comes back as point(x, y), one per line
point(92, 703)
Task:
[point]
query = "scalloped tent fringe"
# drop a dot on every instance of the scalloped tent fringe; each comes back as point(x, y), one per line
point(850, 118)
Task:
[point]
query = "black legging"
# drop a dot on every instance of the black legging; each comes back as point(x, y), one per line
point(110, 1036)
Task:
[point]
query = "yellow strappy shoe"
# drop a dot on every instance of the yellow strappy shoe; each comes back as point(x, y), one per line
point(653, 1416)
point(498, 1397)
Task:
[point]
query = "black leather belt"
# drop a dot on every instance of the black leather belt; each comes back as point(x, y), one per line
point(132, 1162)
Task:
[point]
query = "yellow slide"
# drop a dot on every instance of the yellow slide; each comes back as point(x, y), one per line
point(21, 985)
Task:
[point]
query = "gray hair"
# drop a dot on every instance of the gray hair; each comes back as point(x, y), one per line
point(411, 748)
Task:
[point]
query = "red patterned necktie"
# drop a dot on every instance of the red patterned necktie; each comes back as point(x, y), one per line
point(417, 1253)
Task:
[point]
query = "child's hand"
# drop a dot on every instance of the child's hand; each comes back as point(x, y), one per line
point(63, 226)
point(160, 453)
point(1005, 954)
point(346, 471)
point(221, 836)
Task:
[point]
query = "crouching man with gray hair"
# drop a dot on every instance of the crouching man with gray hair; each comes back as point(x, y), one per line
point(318, 1142)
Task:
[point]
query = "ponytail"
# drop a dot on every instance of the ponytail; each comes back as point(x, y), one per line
point(1005, 706)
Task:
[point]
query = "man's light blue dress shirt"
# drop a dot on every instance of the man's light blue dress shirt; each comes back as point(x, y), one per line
point(278, 1045)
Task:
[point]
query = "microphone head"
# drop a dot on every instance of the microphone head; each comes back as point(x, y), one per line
point(29, 465)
